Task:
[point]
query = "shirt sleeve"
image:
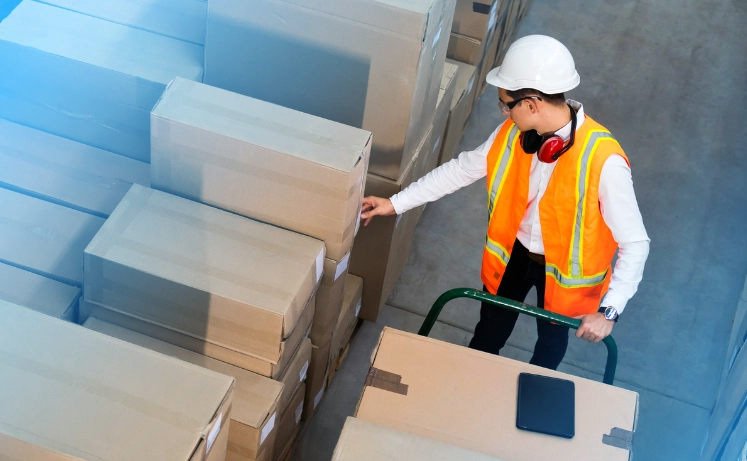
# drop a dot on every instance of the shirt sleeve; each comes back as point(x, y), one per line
point(462, 171)
point(621, 214)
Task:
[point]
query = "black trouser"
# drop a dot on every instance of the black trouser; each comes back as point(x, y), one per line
point(496, 324)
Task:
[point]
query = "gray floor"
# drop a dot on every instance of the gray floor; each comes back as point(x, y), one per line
point(669, 79)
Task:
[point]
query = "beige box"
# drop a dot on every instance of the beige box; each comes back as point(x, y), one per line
point(317, 379)
point(488, 62)
point(43, 237)
point(295, 373)
point(258, 159)
point(372, 64)
point(12, 449)
point(67, 172)
point(203, 272)
point(466, 49)
point(39, 293)
point(255, 404)
point(364, 441)
point(289, 423)
point(351, 307)
point(329, 299)
point(475, 18)
point(102, 398)
point(461, 107)
point(445, 96)
point(467, 398)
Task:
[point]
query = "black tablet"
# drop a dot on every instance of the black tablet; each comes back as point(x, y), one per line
point(546, 405)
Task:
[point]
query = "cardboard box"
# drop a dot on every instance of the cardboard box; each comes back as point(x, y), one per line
point(289, 423)
point(12, 449)
point(105, 399)
point(294, 374)
point(461, 106)
point(445, 96)
point(364, 441)
point(87, 79)
point(467, 398)
point(255, 409)
point(317, 379)
point(256, 159)
point(39, 293)
point(329, 300)
point(373, 65)
point(466, 49)
point(43, 237)
point(66, 172)
point(180, 19)
point(488, 62)
point(475, 18)
point(183, 266)
point(351, 307)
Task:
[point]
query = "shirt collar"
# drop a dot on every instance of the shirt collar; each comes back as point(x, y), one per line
point(565, 132)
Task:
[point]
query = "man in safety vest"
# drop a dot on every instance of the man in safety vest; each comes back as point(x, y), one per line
point(557, 216)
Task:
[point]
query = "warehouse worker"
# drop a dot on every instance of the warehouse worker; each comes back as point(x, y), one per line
point(557, 216)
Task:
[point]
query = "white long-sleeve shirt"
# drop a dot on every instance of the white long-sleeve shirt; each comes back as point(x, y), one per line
point(616, 196)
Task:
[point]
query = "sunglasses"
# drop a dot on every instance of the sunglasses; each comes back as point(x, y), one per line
point(507, 106)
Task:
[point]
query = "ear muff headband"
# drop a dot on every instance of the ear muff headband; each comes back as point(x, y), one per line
point(548, 149)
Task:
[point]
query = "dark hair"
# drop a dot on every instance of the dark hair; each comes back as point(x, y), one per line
point(557, 99)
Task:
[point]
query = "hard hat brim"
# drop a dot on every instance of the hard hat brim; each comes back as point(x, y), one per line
point(495, 78)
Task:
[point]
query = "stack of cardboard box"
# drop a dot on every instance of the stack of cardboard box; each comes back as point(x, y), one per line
point(461, 107)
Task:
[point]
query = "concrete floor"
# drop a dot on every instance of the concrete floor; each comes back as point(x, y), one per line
point(668, 78)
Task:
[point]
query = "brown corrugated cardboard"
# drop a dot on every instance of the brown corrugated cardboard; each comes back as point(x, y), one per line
point(44, 237)
point(66, 172)
point(255, 403)
point(256, 159)
point(364, 441)
point(371, 64)
point(488, 61)
point(467, 398)
point(316, 379)
point(203, 272)
point(351, 306)
point(295, 373)
point(240, 359)
point(12, 449)
point(466, 49)
point(461, 106)
point(474, 18)
point(290, 422)
point(103, 398)
point(329, 299)
point(445, 96)
point(39, 293)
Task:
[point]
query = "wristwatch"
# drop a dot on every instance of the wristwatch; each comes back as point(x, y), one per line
point(610, 313)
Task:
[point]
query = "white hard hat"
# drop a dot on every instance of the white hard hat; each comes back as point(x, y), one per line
point(539, 62)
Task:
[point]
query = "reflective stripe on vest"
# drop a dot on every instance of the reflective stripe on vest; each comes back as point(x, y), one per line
point(497, 250)
point(500, 173)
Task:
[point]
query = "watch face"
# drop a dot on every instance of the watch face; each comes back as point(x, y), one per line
point(610, 313)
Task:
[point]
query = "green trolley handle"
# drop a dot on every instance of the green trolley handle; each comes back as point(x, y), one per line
point(430, 320)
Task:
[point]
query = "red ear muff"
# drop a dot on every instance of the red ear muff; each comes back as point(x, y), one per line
point(548, 150)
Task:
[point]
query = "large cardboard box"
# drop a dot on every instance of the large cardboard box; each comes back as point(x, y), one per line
point(260, 160)
point(461, 106)
point(351, 307)
point(89, 396)
point(467, 398)
point(66, 172)
point(475, 18)
point(44, 237)
point(466, 49)
point(39, 293)
point(87, 79)
point(12, 449)
point(316, 380)
point(445, 96)
point(364, 441)
point(289, 423)
point(329, 299)
point(373, 64)
point(294, 374)
point(255, 409)
point(203, 272)
point(180, 19)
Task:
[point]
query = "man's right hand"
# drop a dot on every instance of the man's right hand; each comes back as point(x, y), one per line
point(376, 206)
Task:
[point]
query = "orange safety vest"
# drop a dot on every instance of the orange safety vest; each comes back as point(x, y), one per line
point(578, 244)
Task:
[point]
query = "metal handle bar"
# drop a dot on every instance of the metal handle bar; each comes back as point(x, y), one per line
point(430, 319)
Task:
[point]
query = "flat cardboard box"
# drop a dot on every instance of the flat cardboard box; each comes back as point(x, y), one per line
point(180, 19)
point(445, 96)
point(373, 64)
point(66, 172)
point(87, 79)
point(256, 159)
point(364, 441)
point(467, 398)
point(255, 402)
point(12, 449)
point(39, 293)
point(475, 18)
point(316, 380)
point(329, 299)
point(102, 398)
point(351, 307)
point(44, 237)
point(461, 106)
point(290, 422)
point(203, 272)
point(294, 374)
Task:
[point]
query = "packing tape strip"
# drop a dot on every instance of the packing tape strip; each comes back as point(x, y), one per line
point(387, 381)
point(619, 438)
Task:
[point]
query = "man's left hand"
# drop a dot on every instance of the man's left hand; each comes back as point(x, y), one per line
point(594, 327)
